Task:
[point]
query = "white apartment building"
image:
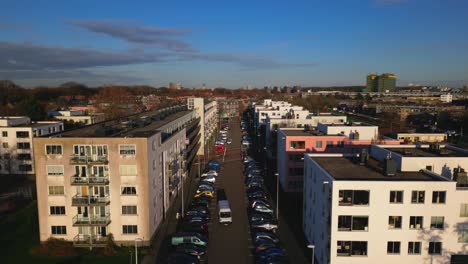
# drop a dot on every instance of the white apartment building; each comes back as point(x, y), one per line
point(354, 130)
point(78, 116)
point(208, 114)
point(446, 98)
point(118, 177)
point(384, 211)
point(16, 147)
point(421, 137)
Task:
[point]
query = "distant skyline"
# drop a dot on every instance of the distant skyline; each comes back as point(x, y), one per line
point(233, 44)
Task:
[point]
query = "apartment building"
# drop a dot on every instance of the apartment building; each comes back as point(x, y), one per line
point(118, 177)
point(294, 142)
point(16, 148)
point(78, 116)
point(410, 138)
point(207, 111)
point(383, 210)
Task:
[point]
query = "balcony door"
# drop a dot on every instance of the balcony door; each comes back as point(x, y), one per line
point(101, 191)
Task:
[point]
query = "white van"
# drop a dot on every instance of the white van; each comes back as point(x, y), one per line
point(224, 213)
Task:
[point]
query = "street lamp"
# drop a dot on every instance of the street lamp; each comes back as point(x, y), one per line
point(136, 249)
point(313, 252)
point(277, 196)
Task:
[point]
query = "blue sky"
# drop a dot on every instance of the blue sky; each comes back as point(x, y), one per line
point(234, 43)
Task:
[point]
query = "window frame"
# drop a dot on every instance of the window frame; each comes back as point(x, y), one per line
point(416, 218)
point(464, 210)
point(417, 199)
point(54, 187)
point(412, 247)
point(392, 217)
point(51, 146)
point(434, 197)
point(396, 197)
point(393, 247)
point(127, 154)
point(129, 210)
point(128, 229)
point(122, 188)
point(435, 224)
point(59, 230)
point(57, 210)
point(434, 246)
point(55, 175)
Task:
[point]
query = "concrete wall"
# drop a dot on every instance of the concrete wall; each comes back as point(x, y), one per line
point(365, 132)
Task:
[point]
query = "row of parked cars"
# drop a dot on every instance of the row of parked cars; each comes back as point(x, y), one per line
point(191, 243)
point(262, 218)
point(246, 140)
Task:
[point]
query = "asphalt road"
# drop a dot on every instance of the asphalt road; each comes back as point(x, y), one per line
point(231, 244)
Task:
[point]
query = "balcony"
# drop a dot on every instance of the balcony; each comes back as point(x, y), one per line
point(94, 159)
point(93, 220)
point(89, 241)
point(100, 180)
point(79, 200)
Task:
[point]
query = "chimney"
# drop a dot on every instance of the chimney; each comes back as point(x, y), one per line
point(460, 176)
point(389, 166)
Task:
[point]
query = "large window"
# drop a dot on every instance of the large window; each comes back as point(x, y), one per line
point(416, 222)
point(417, 197)
point(53, 149)
point(24, 156)
point(57, 210)
point(394, 222)
point(59, 230)
point(297, 144)
point(4, 134)
point(128, 190)
point(435, 248)
point(396, 196)
point(56, 190)
point(55, 170)
point(318, 144)
point(5, 144)
point(438, 197)
point(130, 229)
point(437, 222)
point(22, 134)
point(393, 247)
point(127, 150)
point(128, 170)
point(414, 247)
point(129, 209)
point(464, 210)
point(23, 145)
point(462, 232)
point(353, 197)
point(352, 223)
point(351, 248)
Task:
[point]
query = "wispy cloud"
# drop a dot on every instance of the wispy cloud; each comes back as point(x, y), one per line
point(27, 56)
point(149, 35)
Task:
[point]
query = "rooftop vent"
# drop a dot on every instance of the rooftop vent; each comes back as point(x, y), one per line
point(389, 166)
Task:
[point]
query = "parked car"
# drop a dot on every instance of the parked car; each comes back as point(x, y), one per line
point(204, 193)
point(189, 237)
point(196, 227)
point(203, 188)
point(209, 178)
point(191, 249)
point(271, 252)
point(191, 213)
point(180, 257)
point(262, 234)
point(210, 172)
point(262, 209)
point(264, 245)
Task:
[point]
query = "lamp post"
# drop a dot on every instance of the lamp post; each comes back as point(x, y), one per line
point(313, 252)
point(277, 196)
point(136, 249)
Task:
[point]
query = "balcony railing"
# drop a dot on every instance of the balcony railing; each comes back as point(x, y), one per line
point(93, 180)
point(89, 241)
point(79, 200)
point(93, 220)
point(94, 159)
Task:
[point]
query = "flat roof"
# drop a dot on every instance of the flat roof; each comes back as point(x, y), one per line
point(344, 169)
point(354, 124)
point(426, 152)
point(120, 131)
point(301, 133)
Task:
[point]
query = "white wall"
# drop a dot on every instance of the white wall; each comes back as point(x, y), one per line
point(365, 132)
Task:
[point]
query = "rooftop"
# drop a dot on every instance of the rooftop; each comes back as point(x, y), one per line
point(353, 124)
point(344, 169)
point(428, 152)
point(138, 125)
point(301, 132)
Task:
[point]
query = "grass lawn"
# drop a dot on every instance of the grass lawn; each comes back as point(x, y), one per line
point(19, 233)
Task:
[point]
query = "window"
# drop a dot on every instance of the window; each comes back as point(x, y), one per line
point(5, 144)
point(416, 222)
point(130, 229)
point(129, 209)
point(129, 190)
point(25, 167)
point(462, 232)
point(55, 170)
point(59, 230)
point(127, 150)
point(351, 248)
point(417, 197)
point(56, 190)
point(435, 248)
point(393, 247)
point(353, 197)
point(352, 223)
point(24, 156)
point(128, 170)
point(4, 133)
point(396, 196)
point(464, 210)
point(394, 222)
point(438, 197)
point(57, 210)
point(414, 248)
point(22, 134)
point(437, 222)
point(297, 144)
point(318, 144)
point(53, 149)
point(23, 145)
point(329, 144)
